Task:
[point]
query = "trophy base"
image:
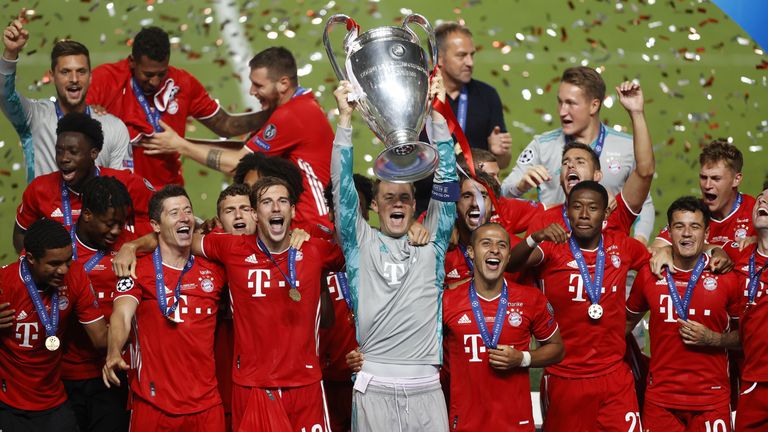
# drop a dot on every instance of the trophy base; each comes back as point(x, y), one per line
point(406, 162)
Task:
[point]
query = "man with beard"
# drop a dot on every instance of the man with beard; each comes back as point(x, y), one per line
point(166, 394)
point(35, 119)
point(691, 313)
point(56, 196)
point(47, 290)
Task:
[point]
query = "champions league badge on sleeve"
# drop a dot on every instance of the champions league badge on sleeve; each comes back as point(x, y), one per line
point(124, 284)
point(270, 131)
point(525, 157)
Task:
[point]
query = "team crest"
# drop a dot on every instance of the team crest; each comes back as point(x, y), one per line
point(740, 233)
point(515, 319)
point(525, 157)
point(63, 302)
point(270, 131)
point(616, 261)
point(124, 285)
point(614, 166)
point(710, 284)
point(173, 107)
point(206, 285)
point(299, 255)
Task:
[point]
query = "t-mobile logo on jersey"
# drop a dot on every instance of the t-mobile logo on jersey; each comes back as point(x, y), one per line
point(667, 308)
point(393, 272)
point(180, 309)
point(261, 282)
point(475, 347)
point(26, 332)
point(578, 288)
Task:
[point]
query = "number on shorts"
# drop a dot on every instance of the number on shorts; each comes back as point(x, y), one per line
point(633, 418)
point(716, 426)
point(315, 428)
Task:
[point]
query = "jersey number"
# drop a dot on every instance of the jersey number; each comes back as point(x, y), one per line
point(633, 418)
point(716, 426)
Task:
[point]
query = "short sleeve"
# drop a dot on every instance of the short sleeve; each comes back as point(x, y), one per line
point(736, 298)
point(202, 106)
point(637, 252)
point(621, 218)
point(636, 302)
point(544, 324)
point(101, 86)
point(664, 235)
point(29, 211)
point(278, 137)
point(519, 215)
point(216, 245)
point(333, 256)
point(86, 306)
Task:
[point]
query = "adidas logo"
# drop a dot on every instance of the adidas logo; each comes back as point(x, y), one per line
point(453, 274)
point(572, 264)
point(252, 259)
point(464, 319)
point(57, 213)
point(21, 316)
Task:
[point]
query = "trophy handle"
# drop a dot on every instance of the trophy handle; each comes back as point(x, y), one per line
point(424, 24)
point(352, 28)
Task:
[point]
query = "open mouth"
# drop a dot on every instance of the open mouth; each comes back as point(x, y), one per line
point(473, 217)
point(68, 174)
point(572, 179)
point(397, 217)
point(276, 224)
point(184, 232)
point(74, 92)
point(493, 264)
point(709, 197)
point(686, 244)
point(566, 122)
point(239, 225)
point(762, 211)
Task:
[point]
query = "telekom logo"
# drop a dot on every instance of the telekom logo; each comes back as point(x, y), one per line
point(27, 332)
point(261, 281)
point(473, 344)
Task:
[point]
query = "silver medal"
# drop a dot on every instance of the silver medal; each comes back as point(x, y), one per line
point(52, 343)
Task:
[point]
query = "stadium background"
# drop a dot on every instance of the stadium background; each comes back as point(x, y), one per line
point(702, 75)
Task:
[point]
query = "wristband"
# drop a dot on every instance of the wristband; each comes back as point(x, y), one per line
point(531, 242)
point(526, 359)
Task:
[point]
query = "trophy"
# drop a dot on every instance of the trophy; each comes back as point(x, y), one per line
point(389, 72)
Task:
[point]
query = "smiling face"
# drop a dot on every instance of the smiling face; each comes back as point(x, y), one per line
point(103, 229)
point(575, 109)
point(50, 268)
point(265, 89)
point(688, 233)
point(75, 158)
point(760, 212)
point(395, 204)
point(490, 251)
point(176, 223)
point(236, 215)
point(586, 212)
point(719, 186)
point(467, 207)
point(71, 77)
point(577, 166)
point(149, 74)
point(274, 213)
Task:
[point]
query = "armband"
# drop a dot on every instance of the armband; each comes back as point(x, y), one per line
point(446, 192)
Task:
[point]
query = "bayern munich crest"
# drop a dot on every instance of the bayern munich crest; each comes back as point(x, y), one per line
point(63, 302)
point(515, 319)
point(710, 284)
point(616, 261)
point(299, 255)
point(740, 233)
point(206, 285)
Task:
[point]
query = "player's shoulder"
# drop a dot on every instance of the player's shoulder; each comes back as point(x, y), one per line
point(7, 274)
point(550, 136)
point(76, 273)
point(615, 134)
point(482, 87)
point(127, 177)
point(112, 70)
point(525, 292)
point(109, 122)
point(510, 203)
point(454, 296)
point(748, 202)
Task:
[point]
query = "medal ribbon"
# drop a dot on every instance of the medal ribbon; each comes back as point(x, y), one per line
point(60, 113)
point(291, 278)
point(469, 262)
point(66, 205)
point(51, 323)
point(153, 116)
point(754, 277)
point(162, 302)
point(463, 102)
point(593, 287)
point(598, 148)
point(681, 305)
point(490, 341)
point(341, 277)
point(91, 263)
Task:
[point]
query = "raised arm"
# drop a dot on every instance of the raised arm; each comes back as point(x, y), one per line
point(528, 254)
point(635, 190)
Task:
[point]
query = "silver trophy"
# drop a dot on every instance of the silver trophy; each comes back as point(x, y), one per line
point(389, 72)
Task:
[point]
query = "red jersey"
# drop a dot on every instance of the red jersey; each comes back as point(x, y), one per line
point(754, 316)
point(620, 219)
point(516, 214)
point(42, 199)
point(593, 347)
point(299, 131)
point(682, 376)
point(30, 374)
point(737, 225)
point(180, 96)
point(475, 386)
point(81, 360)
point(275, 337)
point(338, 340)
point(172, 362)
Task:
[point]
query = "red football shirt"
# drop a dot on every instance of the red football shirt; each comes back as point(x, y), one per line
point(681, 376)
point(593, 347)
point(620, 219)
point(30, 374)
point(338, 340)
point(180, 96)
point(475, 386)
point(735, 226)
point(299, 131)
point(754, 317)
point(42, 199)
point(516, 214)
point(172, 363)
point(275, 337)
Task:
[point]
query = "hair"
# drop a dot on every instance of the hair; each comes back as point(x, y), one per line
point(84, 124)
point(473, 236)
point(45, 234)
point(586, 79)
point(102, 193)
point(479, 156)
point(152, 42)
point(689, 204)
point(67, 47)
point(592, 186)
point(363, 185)
point(270, 166)
point(594, 158)
point(485, 179)
point(278, 61)
point(159, 197)
point(377, 184)
point(260, 188)
point(721, 150)
point(235, 189)
point(446, 29)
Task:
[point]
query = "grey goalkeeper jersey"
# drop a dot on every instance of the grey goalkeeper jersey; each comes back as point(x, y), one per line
point(35, 122)
point(395, 288)
point(617, 161)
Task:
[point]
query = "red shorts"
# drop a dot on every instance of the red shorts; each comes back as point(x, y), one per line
point(752, 414)
point(606, 403)
point(145, 417)
point(290, 409)
point(339, 396)
point(657, 418)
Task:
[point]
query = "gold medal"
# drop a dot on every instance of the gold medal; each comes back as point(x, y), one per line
point(52, 343)
point(294, 294)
